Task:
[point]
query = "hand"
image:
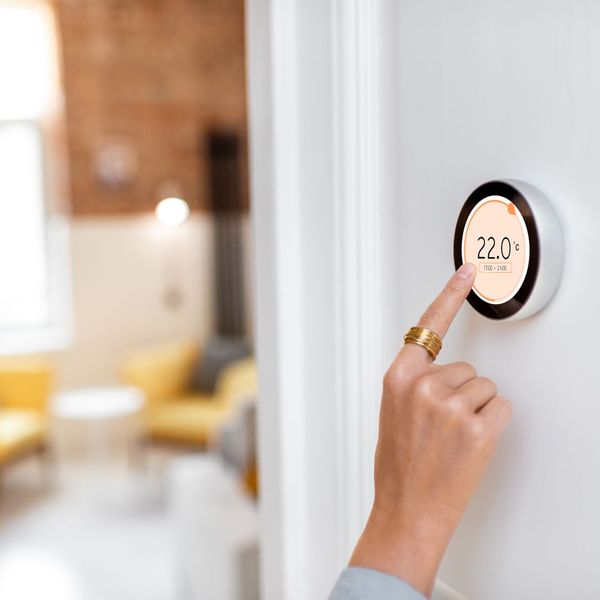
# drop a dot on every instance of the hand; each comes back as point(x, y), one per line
point(438, 429)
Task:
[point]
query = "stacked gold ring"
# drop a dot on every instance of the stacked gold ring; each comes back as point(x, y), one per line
point(423, 337)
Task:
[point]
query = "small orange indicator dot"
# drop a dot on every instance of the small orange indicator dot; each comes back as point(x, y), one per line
point(511, 209)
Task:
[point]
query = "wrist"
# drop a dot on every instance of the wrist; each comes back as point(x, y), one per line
point(406, 547)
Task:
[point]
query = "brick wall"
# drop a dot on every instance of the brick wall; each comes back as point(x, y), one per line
point(144, 81)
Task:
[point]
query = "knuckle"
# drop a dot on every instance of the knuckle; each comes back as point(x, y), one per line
point(477, 431)
point(455, 408)
point(488, 383)
point(395, 378)
point(426, 387)
point(468, 368)
point(481, 436)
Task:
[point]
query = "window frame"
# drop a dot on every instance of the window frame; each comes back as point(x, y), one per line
point(57, 332)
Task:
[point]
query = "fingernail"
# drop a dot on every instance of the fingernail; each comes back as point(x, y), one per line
point(466, 271)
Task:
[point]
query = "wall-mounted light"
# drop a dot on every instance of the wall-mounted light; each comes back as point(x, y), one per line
point(172, 211)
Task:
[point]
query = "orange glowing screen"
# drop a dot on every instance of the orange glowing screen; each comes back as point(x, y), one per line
point(495, 240)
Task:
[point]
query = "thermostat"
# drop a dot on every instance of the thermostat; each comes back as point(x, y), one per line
point(509, 230)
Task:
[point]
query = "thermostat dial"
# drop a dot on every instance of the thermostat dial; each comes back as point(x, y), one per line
point(510, 232)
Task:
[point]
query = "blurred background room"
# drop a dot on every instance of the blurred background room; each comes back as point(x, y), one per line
point(127, 378)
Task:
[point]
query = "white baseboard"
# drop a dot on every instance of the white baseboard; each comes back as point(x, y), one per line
point(443, 591)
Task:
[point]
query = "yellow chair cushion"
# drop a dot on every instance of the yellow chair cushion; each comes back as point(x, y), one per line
point(237, 381)
point(188, 420)
point(196, 418)
point(20, 430)
point(161, 372)
point(25, 383)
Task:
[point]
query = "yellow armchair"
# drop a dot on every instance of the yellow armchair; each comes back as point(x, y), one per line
point(174, 412)
point(25, 387)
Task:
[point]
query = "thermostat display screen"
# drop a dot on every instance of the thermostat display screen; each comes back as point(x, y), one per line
point(495, 239)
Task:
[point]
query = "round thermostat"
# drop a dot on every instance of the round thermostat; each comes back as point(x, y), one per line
point(509, 230)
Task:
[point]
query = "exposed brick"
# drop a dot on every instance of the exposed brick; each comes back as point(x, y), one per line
point(156, 74)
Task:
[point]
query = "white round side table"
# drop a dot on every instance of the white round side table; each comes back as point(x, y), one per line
point(98, 403)
point(101, 425)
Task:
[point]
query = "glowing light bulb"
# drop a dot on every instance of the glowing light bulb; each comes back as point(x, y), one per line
point(172, 211)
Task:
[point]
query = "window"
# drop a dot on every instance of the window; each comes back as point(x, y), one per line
point(33, 306)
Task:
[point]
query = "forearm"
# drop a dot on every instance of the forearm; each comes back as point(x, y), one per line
point(409, 551)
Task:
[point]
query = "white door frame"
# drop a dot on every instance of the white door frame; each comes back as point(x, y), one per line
point(316, 112)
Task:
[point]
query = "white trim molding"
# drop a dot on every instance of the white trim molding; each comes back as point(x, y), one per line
point(357, 200)
point(276, 213)
point(315, 126)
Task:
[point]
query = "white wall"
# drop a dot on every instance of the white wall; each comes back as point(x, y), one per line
point(121, 267)
point(508, 89)
point(427, 100)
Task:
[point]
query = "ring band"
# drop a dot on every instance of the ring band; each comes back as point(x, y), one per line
point(427, 339)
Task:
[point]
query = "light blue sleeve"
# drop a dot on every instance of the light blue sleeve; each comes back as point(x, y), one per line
point(356, 583)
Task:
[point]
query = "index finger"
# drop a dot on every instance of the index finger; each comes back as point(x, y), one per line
point(441, 312)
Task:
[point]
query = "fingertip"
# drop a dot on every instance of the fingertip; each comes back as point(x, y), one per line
point(464, 277)
point(441, 312)
point(467, 271)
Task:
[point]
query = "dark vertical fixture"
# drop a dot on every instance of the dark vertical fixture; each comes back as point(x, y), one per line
point(223, 153)
point(226, 202)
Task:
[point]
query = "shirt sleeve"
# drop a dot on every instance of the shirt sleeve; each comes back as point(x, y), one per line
point(356, 583)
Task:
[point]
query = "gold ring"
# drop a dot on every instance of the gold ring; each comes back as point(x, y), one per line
point(423, 337)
